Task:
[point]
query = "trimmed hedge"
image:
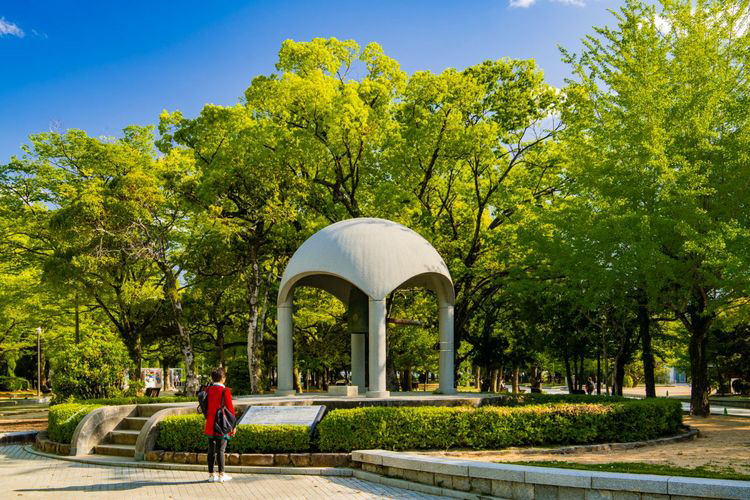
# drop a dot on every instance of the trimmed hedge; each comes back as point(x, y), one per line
point(494, 427)
point(131, 400)
point(8, 383)
point(185, 433)
point(63, 419)
point(539, 399)
point(140, 400)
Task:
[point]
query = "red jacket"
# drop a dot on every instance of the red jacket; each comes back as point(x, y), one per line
point(214, 403)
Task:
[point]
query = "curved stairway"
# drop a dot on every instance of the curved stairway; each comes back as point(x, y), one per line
point(121, 441)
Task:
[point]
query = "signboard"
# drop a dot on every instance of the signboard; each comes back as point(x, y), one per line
point(283, 415)
point(152, 378)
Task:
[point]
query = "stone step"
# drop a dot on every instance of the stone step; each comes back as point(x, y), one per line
point(120, 450)
point(123, 436)
point(150, 409)
point(132, 423)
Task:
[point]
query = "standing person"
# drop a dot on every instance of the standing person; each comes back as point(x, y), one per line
point(589, 386)
point(217, 444)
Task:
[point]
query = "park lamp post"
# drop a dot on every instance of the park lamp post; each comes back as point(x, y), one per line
point(38, 364)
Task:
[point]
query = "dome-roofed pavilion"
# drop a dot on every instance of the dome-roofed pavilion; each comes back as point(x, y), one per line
point(360, 261)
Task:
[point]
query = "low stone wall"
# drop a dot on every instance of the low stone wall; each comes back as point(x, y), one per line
point(18, 437)
point(525, 482)
point(281, 459)
point(43, 444)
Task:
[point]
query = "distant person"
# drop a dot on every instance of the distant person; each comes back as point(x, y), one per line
point(217, 442)
point(589, 386)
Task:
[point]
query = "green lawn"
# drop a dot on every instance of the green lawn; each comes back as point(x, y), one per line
point(642, 468)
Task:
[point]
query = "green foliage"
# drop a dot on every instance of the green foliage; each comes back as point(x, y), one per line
point(185, 433)
point(135, 388)
point(13, 383)
point(136, 400)
point(63, 419)
point(270, 439)
point(182, 433)
point(491, 427)
point(539, 399)
point(628, 381)
point(93, 368)
point(238, 376)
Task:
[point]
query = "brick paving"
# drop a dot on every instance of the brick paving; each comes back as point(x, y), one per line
point(27, 475)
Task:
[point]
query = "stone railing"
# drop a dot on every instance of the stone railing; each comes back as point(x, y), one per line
point(95, 426)
point(447, 476)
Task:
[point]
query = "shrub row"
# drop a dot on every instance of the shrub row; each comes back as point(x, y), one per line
point(185, 433)
point(493, 427)
point(130, 400)
point(63, 419)
point(538, 399)
point(13, 383)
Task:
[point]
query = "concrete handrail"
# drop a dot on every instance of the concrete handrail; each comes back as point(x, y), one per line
point(95, 426)
point(150, 431)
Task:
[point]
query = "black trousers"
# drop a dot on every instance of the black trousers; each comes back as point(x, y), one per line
point(216, 448)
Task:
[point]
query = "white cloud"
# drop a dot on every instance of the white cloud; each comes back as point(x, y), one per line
point(521, 4)
point(8, 28)
point(575, 3)
point(524, 4)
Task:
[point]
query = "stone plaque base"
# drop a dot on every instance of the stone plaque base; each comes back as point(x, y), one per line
point(343, 390)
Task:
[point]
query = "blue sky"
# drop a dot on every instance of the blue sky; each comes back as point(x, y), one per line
point(99, 65)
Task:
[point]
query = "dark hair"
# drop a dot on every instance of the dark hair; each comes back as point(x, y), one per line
point(217, 374)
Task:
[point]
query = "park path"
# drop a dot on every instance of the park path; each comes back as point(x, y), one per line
point(27, 475)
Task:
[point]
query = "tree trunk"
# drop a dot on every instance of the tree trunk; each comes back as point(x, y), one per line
point(515, 380)
point(171, 291)
point(220, 345)
point(78, 320)
point(581, 372)
point(568, 374)
point(700, 388)
point(252, 280)
point(619, 376)
point(647, 355)
point(598, 373)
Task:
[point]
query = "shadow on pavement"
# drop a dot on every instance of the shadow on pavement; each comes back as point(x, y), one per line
point(128, 485)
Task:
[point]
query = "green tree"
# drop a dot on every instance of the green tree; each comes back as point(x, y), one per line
point(656, 127)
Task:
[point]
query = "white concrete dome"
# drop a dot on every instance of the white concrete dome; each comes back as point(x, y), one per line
point(375, 255)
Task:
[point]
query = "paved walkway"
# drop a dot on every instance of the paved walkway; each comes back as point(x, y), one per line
point(28, 475)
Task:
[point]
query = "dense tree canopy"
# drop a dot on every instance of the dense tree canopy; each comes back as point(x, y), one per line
point(604, 222)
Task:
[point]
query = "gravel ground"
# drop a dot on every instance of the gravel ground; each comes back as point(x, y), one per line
point(724, 444)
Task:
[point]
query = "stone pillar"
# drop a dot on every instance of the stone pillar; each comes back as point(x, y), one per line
point(285, 350)
point(358, 360)
point(357, 314)
point(377, 388)
point(447, 384)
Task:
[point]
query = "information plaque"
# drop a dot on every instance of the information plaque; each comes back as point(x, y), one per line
point(308, 416)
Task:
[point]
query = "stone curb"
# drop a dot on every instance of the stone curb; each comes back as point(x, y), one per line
point(412, 486)
point(300, 471)
point(43, 444)
point(526, 482)
point(18, 437)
